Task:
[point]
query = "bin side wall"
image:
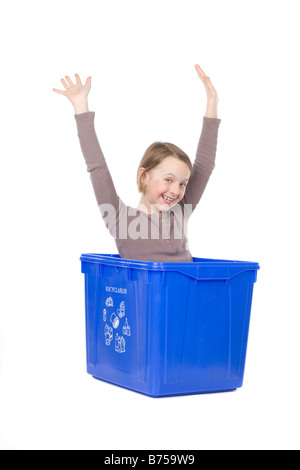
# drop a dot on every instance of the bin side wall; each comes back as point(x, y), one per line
point(165, 333)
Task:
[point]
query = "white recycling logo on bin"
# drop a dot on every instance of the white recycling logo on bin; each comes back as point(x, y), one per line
point(114, 332)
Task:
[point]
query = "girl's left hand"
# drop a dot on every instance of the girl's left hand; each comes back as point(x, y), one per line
point(210, 90)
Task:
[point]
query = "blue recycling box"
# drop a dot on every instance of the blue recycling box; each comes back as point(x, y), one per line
point(166, 329)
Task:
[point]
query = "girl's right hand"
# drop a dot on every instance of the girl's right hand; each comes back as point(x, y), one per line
point(77, 93)
point(210, 90)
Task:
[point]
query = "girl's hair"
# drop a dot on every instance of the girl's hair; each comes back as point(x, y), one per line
point(155, 154)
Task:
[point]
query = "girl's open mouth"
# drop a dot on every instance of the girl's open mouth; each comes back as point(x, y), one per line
point(167, 200)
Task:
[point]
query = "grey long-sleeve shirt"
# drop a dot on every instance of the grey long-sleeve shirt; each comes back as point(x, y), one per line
point(138, 235)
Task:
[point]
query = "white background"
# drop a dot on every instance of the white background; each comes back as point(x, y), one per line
point(141, 55)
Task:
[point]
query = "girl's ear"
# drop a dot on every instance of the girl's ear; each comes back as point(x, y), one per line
point(142, 175)
point(142, 180)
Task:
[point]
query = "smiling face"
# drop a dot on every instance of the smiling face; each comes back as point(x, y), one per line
point(165, 184)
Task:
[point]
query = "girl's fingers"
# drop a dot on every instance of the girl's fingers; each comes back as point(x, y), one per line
point(206, 81)
point(78, 81)
point(69, 81)
point(68, 84)
point(201, 74)
point(199, 70)
point(61, 92)
point(64, 83)
point(88, 81)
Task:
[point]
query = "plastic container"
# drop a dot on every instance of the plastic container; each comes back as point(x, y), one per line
point(166, 329)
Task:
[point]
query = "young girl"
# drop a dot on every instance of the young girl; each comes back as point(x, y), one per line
point(170, 185)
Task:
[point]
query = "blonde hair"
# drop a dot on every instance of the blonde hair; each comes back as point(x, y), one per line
point(155, 154)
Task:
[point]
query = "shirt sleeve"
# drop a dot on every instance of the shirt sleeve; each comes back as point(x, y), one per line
point(204, 162)
point(112, 208)
point(102, 182)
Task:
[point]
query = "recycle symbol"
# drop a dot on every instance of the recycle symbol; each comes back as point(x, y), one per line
point(114, 320)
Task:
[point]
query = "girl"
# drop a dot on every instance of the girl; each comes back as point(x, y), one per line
point(170, 185)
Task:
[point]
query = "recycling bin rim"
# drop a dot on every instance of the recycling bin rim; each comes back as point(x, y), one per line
point(200, 269)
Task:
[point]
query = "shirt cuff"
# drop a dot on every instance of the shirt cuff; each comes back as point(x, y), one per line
point(85, 116)
point(214, 120)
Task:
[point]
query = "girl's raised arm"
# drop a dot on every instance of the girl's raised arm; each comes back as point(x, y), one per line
point(102, 182)
point(207, 147)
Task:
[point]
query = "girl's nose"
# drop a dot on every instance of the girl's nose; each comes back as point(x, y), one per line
point(174, 190)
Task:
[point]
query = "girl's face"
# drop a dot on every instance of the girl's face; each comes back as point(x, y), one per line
point(166, 184)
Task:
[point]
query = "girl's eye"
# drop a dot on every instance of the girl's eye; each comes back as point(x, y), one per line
point(168, 180)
